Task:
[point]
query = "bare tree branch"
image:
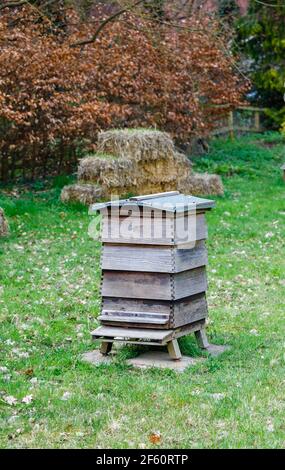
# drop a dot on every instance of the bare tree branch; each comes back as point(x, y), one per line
point(13, 4)
point(266, 4)
point(105, 22)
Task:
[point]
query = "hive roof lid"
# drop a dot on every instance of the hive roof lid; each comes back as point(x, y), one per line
point(172, 201)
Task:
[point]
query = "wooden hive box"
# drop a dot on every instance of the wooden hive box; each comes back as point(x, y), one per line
point(153, 264)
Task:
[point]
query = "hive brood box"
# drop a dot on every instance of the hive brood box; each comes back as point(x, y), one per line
point(153, 270)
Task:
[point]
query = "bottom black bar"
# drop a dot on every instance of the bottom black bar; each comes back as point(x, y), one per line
point(130, 459)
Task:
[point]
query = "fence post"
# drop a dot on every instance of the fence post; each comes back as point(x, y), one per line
point(257, 120)
point(231, 124)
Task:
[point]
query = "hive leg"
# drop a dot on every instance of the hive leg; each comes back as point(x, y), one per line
point(174, 350)
point(202, 339)
point(105, 348)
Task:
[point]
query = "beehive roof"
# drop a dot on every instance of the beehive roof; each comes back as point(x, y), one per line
point(172, 201)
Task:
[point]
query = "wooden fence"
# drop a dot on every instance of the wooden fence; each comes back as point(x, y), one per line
point(33, 165)
point(241, 120)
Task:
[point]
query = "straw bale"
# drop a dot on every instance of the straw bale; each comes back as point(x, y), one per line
point(137, 161)
point(204, 184)
point(137, 144)
point(84, 193)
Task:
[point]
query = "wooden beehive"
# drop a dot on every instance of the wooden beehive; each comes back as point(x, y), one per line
point(153, 270)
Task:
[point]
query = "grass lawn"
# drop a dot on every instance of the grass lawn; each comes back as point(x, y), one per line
point(49, 284)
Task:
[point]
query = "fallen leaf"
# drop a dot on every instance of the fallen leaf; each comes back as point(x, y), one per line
point(155, 437)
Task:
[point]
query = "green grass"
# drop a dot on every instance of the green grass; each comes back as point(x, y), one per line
point(49, 300)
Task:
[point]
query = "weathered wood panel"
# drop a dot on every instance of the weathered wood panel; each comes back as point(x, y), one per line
point(142, 313)
point(158, 230)
point(116, 332)
point(134, 305)
point(192, 258)
point(171, 314)
point(189, 310)
point(138, 230)
point(149, 318)
point(153, 258)
point(134, 322)
point(189, 283)
point(160, 286)
point(137, 285)
point(138, 258)
point(189, 229)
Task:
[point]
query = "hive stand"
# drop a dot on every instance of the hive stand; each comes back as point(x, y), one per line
point(153, 283)
point(168, 338)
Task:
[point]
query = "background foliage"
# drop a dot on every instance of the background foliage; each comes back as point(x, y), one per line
point(56, 93)
point(261, 36)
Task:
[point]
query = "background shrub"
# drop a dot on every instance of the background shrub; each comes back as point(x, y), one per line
point(56, 94)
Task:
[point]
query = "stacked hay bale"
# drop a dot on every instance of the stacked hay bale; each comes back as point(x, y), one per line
point(4, 227)
point(136, 161)
point(84, 193)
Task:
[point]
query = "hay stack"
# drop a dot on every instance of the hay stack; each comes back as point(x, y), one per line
point(4, 227)
point(144, 161)
point(138, 161)
point(84, 193)
point(204, 184)
point(137, 144)
point(111, 173)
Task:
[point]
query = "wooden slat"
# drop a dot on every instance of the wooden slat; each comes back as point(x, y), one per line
point(154, 286)
point(190, 258)
point(189, 310)
point(134, 305)
point(155, 195)
point(137, 258)
point(149, 212)
point(127, 314)
point(133, 324)
point(187, 329)
point(113, 332)
point(189, 283)
point(153, 258)
point(149, 319)
point(154, 231)
point(137, 285)
point(190, 229)
point(120, 319)
point(138, 230)
point(140, 342)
